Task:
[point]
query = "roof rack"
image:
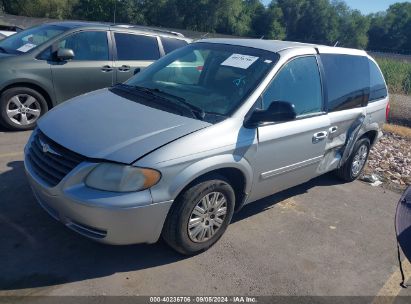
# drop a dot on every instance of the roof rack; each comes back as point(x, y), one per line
point(146, 28)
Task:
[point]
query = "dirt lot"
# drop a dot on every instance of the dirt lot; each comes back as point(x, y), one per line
point(400, 110)
point(320, 238)
point(390, 159)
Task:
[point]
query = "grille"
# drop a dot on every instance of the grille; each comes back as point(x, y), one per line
point(50, 161)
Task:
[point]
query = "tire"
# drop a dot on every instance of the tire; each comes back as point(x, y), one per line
point(349, 172)
point(176, 231)
point(26, 104)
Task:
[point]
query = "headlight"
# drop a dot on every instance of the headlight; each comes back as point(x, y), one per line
point(121, 178)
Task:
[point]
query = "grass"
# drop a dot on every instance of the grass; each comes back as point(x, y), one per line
point(397, 74)
point(398, 130)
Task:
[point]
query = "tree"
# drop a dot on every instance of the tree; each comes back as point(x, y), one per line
point(58, 9)
point(318, 23)
point(352, 26)
point(232, 17)
point(314, 21)
point(390, 31)
point(94, 10)
point(269, 22)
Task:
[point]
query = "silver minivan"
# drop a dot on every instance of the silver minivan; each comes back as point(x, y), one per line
point(218, 124)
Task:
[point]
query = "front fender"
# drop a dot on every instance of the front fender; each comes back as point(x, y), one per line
point(172, 184)
point(46, 85)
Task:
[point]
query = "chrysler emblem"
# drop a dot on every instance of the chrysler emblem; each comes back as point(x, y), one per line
point(47, 149)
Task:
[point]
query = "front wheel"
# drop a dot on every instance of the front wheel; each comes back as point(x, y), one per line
point(21, 107)
point(200, 216)
point(353, 167)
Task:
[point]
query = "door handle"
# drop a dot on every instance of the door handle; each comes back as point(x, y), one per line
point(106, 68)
point(333, 129)
point(319, 136)
point(124, 68)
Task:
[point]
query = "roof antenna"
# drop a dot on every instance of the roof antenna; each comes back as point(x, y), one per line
point(205, 35)
point(115, 11)
point(336, 44)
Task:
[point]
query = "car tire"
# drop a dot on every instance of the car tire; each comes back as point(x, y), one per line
point(355, 164)
point(21, 107)
point(204, 230)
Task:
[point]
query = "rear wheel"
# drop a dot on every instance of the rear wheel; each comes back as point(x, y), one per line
point(200, 216)
point(353, 167)
point(21, 107)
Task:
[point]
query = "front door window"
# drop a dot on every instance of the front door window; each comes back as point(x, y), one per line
point(91, 46)
point(298, 82)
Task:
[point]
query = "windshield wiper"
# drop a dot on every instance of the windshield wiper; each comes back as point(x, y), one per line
point(197, 112)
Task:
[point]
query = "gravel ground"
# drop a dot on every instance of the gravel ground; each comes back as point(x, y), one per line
point(390, 162)
point(400, 110)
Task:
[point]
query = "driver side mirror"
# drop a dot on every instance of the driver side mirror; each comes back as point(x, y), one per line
point(65, 54)
point(278, 111)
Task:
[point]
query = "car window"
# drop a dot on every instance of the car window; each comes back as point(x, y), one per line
point(186, 70)
point(378, 89)
point(298, 82)
point(46, 54)
point(170, 44)
point(136, 47)
point(215, 78)
point(87, 45)
point(347, 79)
point(28, 40)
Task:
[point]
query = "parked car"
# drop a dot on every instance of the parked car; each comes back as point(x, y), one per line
point(48, 64)
point(175, 151)
point(8, 30)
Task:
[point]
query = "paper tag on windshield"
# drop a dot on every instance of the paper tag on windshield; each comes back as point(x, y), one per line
point(240, 61)
point(27, 47)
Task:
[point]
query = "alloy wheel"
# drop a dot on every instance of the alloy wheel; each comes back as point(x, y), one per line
point(23, 109)
point(207, 217)
point(359, 160)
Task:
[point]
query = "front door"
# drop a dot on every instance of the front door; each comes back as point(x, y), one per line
point(89, 70)
point(133, 54)
point(289, 153)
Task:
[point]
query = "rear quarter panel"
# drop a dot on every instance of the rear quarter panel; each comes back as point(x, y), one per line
point(375, 116)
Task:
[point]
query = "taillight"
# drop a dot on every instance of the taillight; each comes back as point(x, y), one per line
point(387, 112)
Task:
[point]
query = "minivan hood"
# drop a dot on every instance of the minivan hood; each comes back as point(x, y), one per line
point(5, 55)
point(104, 125)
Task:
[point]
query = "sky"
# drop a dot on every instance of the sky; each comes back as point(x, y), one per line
point(366, 6)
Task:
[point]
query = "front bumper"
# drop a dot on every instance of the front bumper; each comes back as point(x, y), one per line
point(107, 217)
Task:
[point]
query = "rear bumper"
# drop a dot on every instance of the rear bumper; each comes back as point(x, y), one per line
point(107, 217)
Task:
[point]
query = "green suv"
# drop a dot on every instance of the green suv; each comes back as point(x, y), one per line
point(48, 64)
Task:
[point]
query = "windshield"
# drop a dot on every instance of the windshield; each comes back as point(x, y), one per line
point(210, 79)
point(24, 41)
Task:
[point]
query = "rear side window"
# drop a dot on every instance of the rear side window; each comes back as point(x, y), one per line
point(298, 82)
point(136, 47)
point(347, 79)
point(378, 90)
point(170, 44)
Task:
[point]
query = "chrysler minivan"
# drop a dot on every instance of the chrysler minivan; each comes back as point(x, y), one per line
point(50, 63)
point(205, 130)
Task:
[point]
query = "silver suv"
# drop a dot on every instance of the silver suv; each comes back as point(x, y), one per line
point(218, 124)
